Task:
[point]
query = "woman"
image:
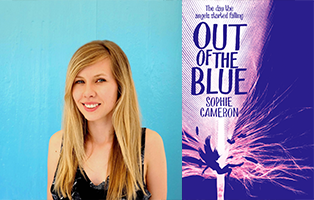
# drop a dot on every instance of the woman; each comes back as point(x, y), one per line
point(102, 136)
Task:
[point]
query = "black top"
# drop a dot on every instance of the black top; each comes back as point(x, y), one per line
point(85, 189)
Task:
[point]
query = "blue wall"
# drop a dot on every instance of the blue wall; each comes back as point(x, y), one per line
point(38, 39)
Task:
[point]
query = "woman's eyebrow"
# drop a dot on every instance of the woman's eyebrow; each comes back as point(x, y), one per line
point(78, 77)
point(101, 74)
point(97, 75)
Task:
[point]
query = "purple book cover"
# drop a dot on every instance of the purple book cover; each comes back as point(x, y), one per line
point(247, 99)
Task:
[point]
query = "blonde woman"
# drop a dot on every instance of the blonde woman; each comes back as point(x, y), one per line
point(102, 151)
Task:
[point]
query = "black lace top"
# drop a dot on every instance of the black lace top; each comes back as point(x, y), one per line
point(85, 189)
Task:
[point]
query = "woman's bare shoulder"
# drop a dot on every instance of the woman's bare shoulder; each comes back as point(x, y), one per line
point(53, 157)
point(156, 166)
point(154, 146)
point(152, 138)
point(55, 141)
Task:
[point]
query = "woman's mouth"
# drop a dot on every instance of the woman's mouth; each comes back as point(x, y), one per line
point(90, 107)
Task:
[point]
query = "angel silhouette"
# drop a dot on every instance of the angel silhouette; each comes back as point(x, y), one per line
point(209, 159)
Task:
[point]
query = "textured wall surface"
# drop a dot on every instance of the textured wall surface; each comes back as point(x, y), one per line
point(37, 40)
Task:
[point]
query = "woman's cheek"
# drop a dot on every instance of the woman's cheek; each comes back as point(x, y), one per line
point(75, 94)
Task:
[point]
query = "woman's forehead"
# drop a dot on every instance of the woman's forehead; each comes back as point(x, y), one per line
point(102, 67)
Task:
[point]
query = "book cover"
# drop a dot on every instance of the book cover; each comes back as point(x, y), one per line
point(247, 99)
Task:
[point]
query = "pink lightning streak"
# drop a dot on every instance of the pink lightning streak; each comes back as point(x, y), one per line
point(261, 161)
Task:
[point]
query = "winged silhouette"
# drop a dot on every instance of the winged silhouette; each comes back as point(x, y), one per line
point(209, 158)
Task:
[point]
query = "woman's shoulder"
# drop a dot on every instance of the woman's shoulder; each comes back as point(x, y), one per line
point(55, 141)
point(155, 165)
point(153, 139)
point(154, 146)
point(53, 157)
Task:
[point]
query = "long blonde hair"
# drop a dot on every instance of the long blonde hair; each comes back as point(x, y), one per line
point(125, 168)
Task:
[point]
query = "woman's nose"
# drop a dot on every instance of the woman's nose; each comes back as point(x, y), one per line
point(89, 91)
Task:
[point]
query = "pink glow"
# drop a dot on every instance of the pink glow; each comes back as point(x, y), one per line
point(271, 162)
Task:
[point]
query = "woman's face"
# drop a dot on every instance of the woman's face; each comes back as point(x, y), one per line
point(95, 91)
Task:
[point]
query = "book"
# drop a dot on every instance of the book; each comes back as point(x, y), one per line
point(247, 99)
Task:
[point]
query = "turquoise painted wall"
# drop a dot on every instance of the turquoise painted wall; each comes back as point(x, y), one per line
point(37, 40)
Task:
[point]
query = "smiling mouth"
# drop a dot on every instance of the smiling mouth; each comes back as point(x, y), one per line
point(91, 105)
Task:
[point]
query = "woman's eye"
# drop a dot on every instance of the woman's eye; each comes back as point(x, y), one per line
point(79, 82)
point(101, 80)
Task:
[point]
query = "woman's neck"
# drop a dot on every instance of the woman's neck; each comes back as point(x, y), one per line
point(100, 132)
